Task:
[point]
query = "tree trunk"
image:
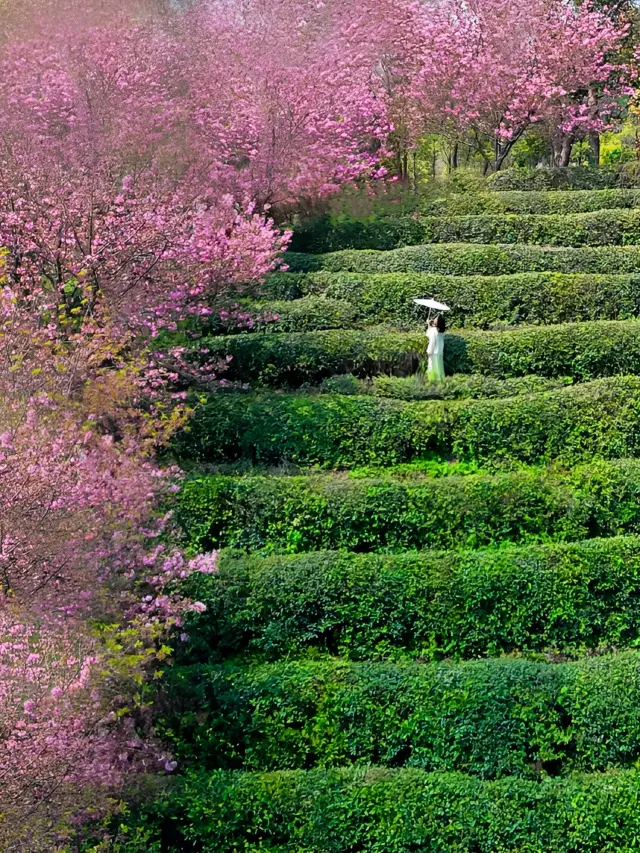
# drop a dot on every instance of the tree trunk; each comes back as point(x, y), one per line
point(594, 138)
point(454, 156)
point(565, 152)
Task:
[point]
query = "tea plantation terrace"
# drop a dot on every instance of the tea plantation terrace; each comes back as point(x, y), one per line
point(423, 632)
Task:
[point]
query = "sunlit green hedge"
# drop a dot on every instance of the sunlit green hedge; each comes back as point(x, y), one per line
point(385, 811)
point(469, 259)
point(390, 514)
point(599, 228)
point(538, 202)
point(581, 351)
point(572, 178)
point(462, 386)
point(596, 418)
point(479, 300)
point(489, 718)
point(431, 605)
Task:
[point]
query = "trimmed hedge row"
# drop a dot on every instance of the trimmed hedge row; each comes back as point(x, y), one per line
point(431, 605)
point(385, 811)
point(547, 298)
point(537, 202)
point(489, 718)
point(464, 259)
point(571, 178)
point(309, 313)
point(598, 228)
point(309, 513)
point(598, 418)
point(581, 351)
point(295, 358)
point(458, 387)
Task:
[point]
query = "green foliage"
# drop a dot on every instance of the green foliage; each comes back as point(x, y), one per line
point(440, 717)
point(572, 424)
point(295, 358)
point(599, 228)
point(458, 387)
point(479, 300)
point(392, 514)
point(573, 178)
point(389, 811)
point(538, 202)
point(433, 605)
point(580, 351)
point(307, 314)
point(461, 259)
point(328, 234)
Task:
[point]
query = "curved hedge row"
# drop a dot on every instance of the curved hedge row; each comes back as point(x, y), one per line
point(440, 717)
point(571, 178)
point(581, 351)
point(599, 228)
point(597, 418)
point(428, 605)
point(385, 811)
point(462, 386)
point(463, 259)
point(299, 514)
point(547, 298)
point(309, 313)
point(534, 201)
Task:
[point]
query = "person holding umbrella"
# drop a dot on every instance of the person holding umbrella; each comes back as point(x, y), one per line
point(436, 328)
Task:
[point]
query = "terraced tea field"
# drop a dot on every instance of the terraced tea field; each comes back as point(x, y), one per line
point(423, 633)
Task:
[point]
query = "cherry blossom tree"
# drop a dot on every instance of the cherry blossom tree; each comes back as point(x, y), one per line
point(141, 158)
point(492, 68)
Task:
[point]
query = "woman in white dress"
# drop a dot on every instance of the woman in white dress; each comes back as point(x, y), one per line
point(435, 349)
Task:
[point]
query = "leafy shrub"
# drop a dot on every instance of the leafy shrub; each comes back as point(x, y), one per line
point(326, 234)
point(440, 717)
point(295, 358)
point(597, 418)
point(572, 178)
point(462, 259)
point(599, 228)
point(476, 300)
point(458, 387)
point(387, 811)
point(430, 605)
point(299, 514)
point(581, 351)
point(538, 202)
point(307, 314)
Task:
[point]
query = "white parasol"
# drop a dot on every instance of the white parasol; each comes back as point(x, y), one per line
point(431, 303)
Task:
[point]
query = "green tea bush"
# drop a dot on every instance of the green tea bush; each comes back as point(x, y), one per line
point(576, 423)
point(536, 202)
point(429, 605)
point(479, 301)
point(458, 387)
point(470, 259)
point(295, 358)
point(488, 718)
point(581, 351)
point(572, 178)
point(599, 228)
point(306, 314)
point(318, 512)
point(325, 234)
point(386, 811)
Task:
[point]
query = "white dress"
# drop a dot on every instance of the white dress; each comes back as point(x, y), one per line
point(435, 351)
